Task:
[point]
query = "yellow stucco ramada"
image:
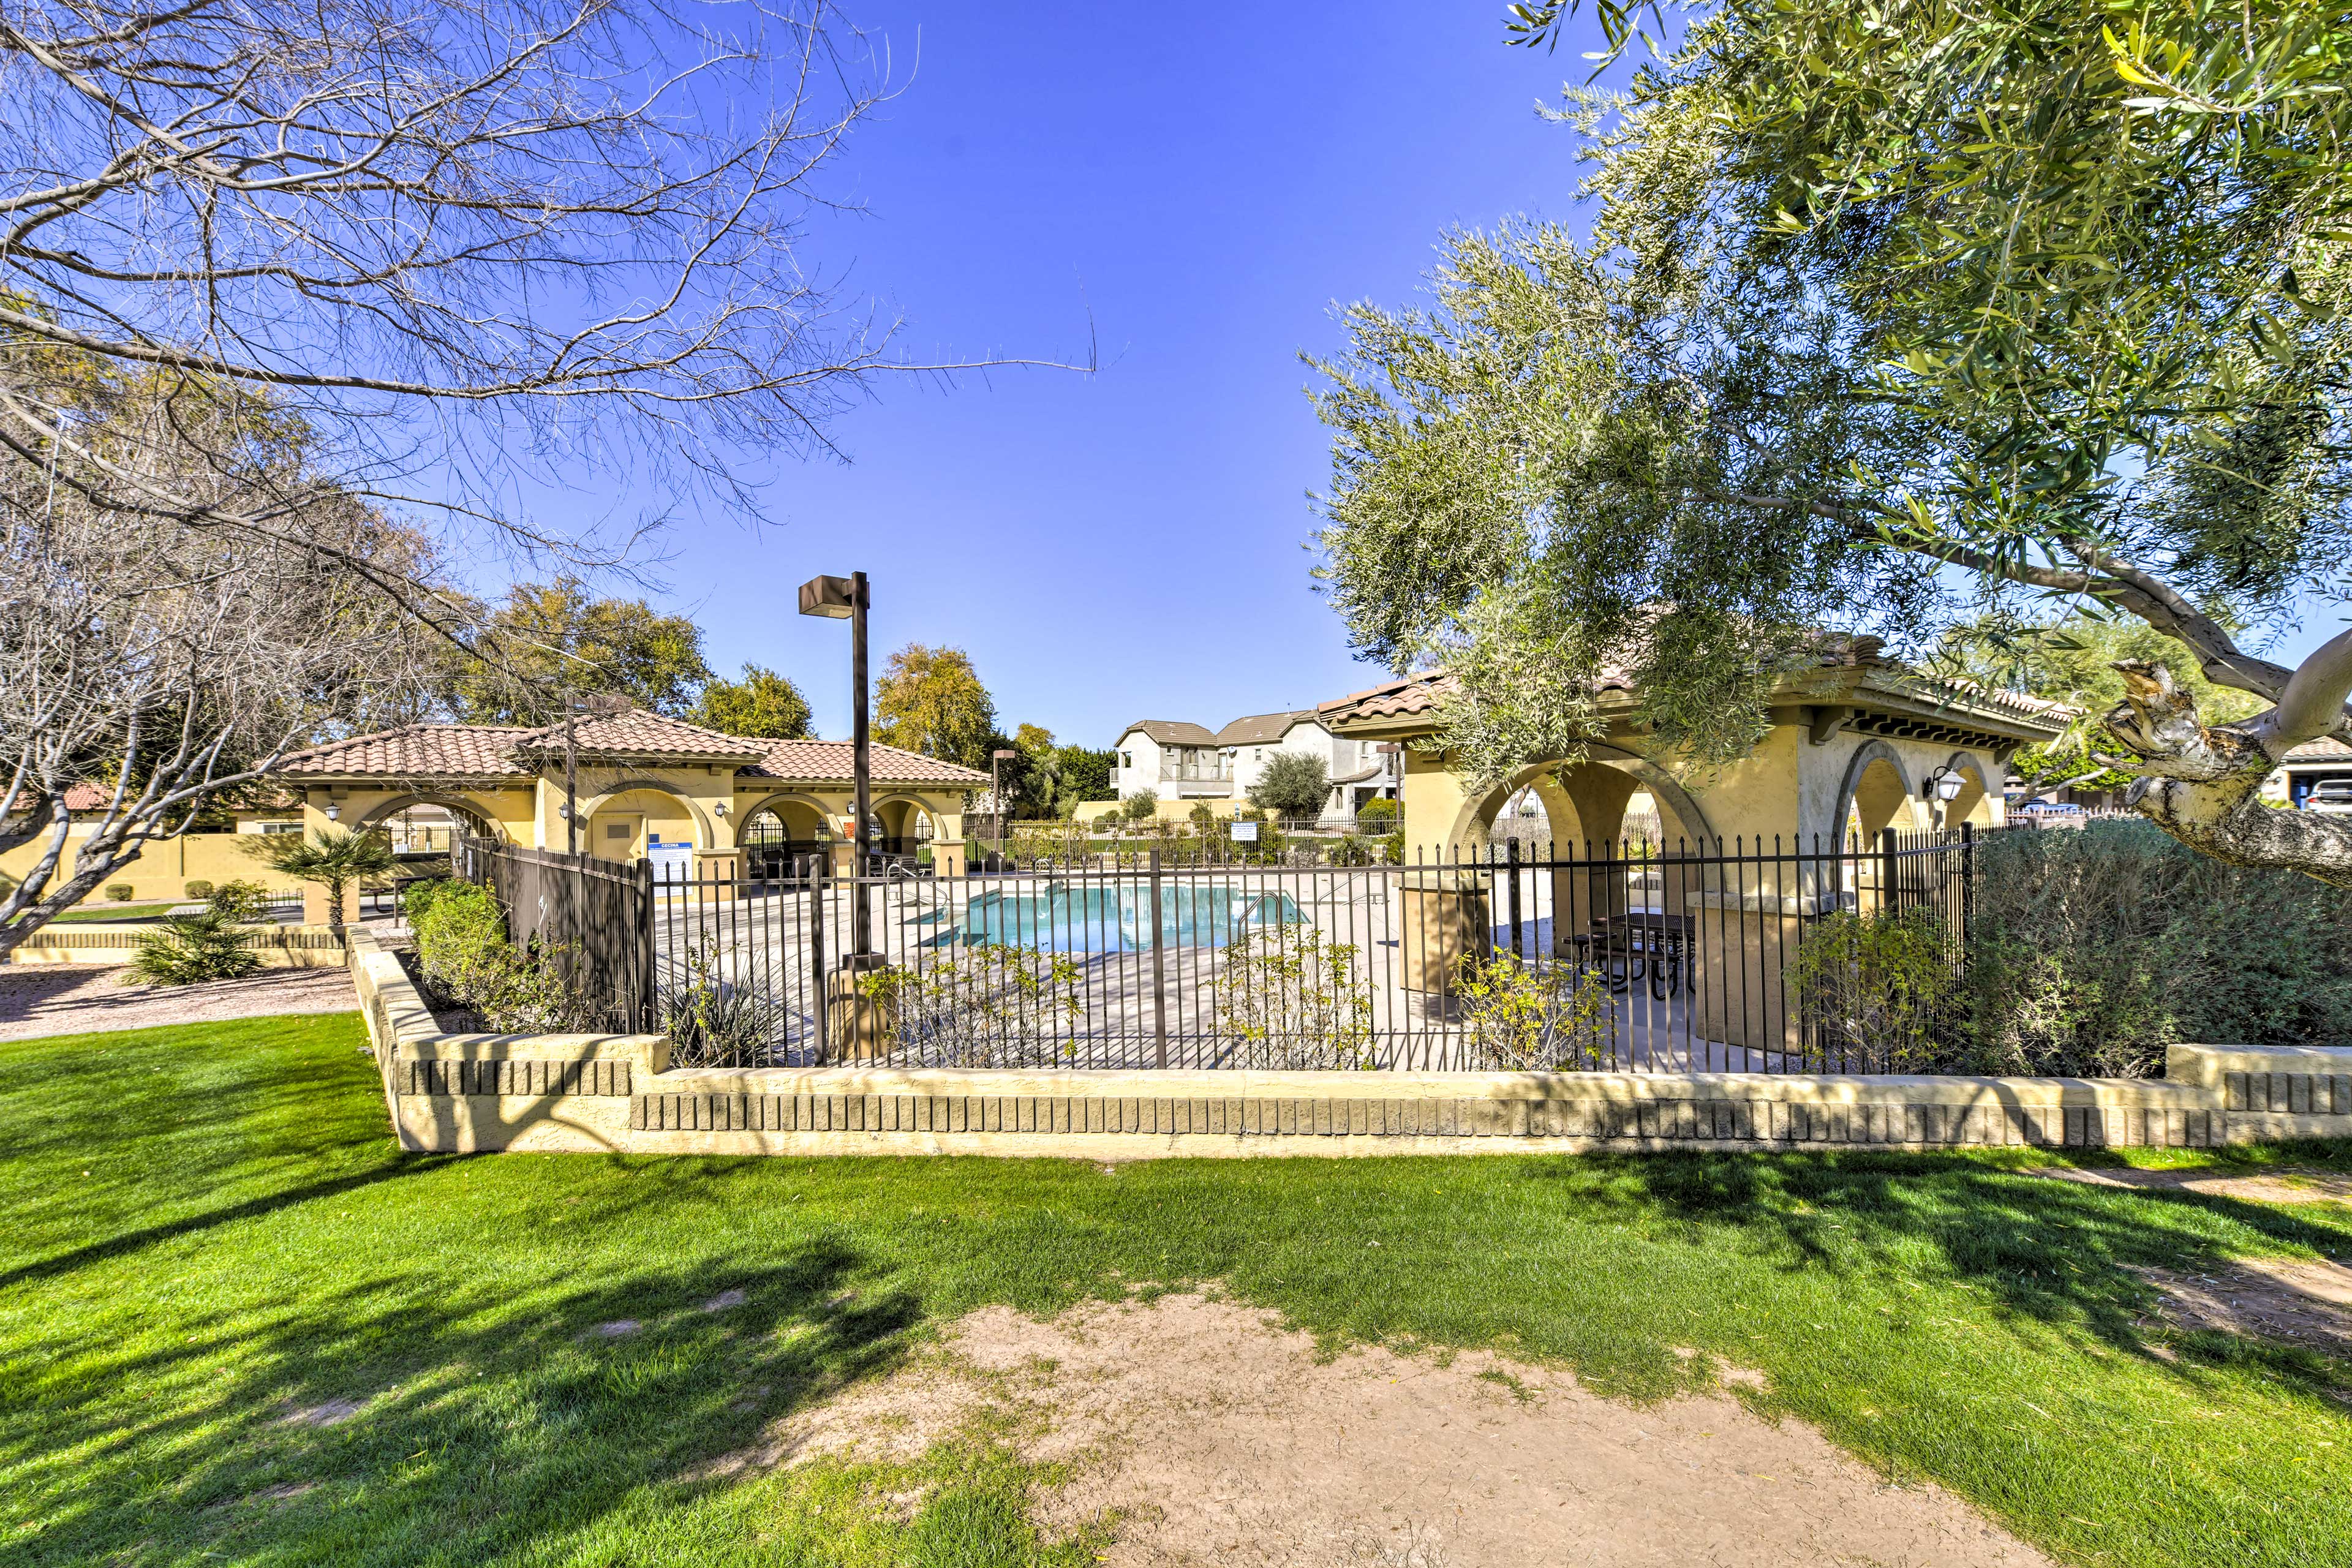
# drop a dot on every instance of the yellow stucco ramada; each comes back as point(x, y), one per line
point(1852, 744)
point(739, 804)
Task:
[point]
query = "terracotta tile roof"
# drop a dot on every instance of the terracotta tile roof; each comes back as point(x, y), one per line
point(830, 761)
point(1403, 699)
point(415, 751)
point(88, 796)
point(1261, 729)
point(639, 734)
point(499, 750)
point(2327, 749)
point(1171, 733)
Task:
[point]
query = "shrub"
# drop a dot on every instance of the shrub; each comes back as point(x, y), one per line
point(118, 891)
point(418, 897)
point(238, 900)
point(1536, 1018)
point(987, 1005)
point(1377, 815)
point(1143, 803)
point(1289, 997)
point(711, 1021)
point(187, 948)
point(463, 953)
point(1881, 990)
point(1203, 820)
point(197, 888)
point(2093, 950)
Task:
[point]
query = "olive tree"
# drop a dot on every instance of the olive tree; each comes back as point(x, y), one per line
point(2035, 293)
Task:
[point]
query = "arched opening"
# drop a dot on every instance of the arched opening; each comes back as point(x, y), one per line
point(1974, 804)
point(423, 828)
point(902, 825)
point(1877, 795)
point(782, 836)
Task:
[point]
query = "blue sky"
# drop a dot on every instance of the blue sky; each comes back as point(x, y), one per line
point(1195, 189)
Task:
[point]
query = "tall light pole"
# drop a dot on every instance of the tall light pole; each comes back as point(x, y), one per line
point(844, 598)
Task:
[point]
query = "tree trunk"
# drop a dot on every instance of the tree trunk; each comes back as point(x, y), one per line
point(2203, 786)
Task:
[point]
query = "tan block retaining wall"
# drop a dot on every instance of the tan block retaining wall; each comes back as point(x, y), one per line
point(473, 1092)
point(110, 941)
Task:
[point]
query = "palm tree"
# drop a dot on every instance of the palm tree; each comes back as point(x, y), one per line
point(335, 859)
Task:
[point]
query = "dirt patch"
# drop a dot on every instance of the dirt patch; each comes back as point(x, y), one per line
point(2285, 1185)
point(2268, 1298)
point(83, 998)
point(333, 1412)
point(1200, 1433)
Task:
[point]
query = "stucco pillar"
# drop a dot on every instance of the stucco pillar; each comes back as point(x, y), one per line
point(718, 870)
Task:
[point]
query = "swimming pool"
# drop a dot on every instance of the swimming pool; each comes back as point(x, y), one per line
point(1117, 917)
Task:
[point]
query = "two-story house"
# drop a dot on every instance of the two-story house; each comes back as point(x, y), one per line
point(1186, 763)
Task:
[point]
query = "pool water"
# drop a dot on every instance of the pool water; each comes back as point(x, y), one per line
point(1116, 918)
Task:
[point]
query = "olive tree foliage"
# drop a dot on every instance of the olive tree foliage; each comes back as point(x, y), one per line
point(455, 239)
point(168, 667)
point(2050, 291)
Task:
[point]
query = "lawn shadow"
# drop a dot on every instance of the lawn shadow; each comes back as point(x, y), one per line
point(403, 1420)
point(2061, 1254)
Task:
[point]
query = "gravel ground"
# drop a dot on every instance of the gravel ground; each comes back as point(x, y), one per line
point(82, 998)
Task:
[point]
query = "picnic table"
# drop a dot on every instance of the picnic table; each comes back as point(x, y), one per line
point(1642, 943)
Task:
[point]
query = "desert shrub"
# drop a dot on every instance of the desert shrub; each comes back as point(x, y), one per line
point(1203, 820)
point(1377, 815)
point(987, 1005)
point(118, 891)
point(463, 954)
point(1288, 997)
point(237, 901)
point(1882, 990)
point(712, 1021)
point(188, 949)
point(1525, 1018)
point(417, 897)
point(197, 888)
point(2093, 950)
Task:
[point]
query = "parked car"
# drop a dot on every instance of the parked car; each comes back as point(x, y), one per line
point(2331, 796)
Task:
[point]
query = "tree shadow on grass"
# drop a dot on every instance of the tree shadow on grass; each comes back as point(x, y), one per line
point(400, 1422)
point(2061, 1254)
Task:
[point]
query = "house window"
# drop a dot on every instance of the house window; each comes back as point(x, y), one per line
point(281, 827)
point(1127, 759)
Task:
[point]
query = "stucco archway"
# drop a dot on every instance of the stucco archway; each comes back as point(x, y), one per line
point(1974, 804)
point(1585, 802)
point(1877, 793)
point(480, 819)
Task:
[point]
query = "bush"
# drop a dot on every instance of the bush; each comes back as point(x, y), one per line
point(463, 953)
point(1377, 815)
point(187, 948)
point(1142, 803)
point(1882, 991)
point(1523, 1018)
point(713, 1022)
point(418, 897)
point(118, 891)
point(237, 901)
point(2093, 950)
point(1292, 999)
point(197, 888)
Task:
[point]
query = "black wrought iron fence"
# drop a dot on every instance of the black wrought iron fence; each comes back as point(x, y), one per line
point(591, 918)
point(1630, 957)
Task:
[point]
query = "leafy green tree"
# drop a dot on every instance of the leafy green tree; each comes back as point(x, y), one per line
point(930, 700)
point(1082, 773)
point(335, 858)
point(762, 704)
point(1293, 784)
point(560, 643)
point(2034, 289)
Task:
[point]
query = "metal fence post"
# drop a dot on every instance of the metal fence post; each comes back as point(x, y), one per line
point(1158, 973)
point(1889, 897)
point(818, 866)
point(647, 999)
point(1518, 939)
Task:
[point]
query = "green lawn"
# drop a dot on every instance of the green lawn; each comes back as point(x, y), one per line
point(112, 913)
point(207, 1228)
